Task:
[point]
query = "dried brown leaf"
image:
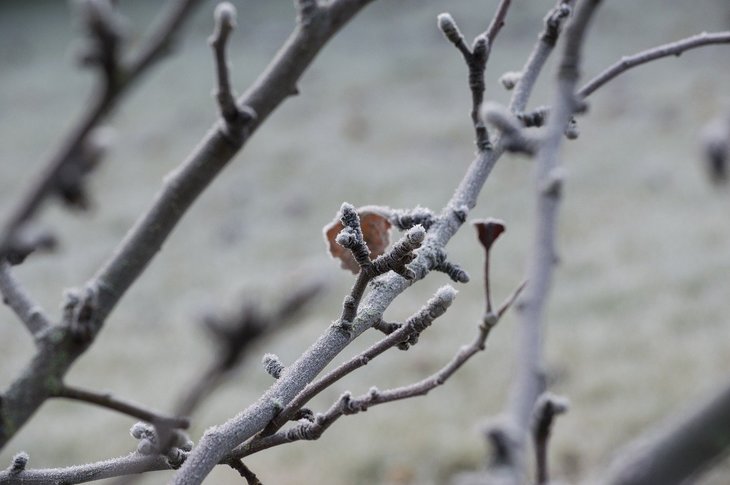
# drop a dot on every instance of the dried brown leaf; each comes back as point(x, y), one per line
point(376, 233)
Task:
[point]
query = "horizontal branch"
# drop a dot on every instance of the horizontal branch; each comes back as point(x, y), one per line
point(347, 405)
point(108, 401)
point(131, 464)
point(671, 49)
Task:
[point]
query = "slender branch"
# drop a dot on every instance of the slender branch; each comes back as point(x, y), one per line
point(29, 312)
point(536, 61)
point(679, 450)
point(495, 26)
point(547, 408)
point(103, 102)
point(234, 118)
point(476, 60)
point(665, 50)
point(131, 464)
point(108, 401)
point(528, 382)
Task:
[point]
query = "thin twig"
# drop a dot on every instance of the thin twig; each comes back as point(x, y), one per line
point(15, 296)
point(665, 50)
point(476, 59)
point(108, 401)
point(547, 408)
point(234, 118)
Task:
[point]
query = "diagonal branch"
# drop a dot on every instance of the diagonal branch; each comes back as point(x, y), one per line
point(103, 102)
point(679, 450)
point(433, 309)
point(29, 312)
point(665, 50)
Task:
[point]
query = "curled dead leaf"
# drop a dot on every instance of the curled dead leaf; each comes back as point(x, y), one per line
point(375, 230)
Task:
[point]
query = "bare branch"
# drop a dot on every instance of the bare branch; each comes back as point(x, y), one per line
point(347, 405)
point(547, 408)
point(234, 118)
point(679, 450)
point(103, 103)
point(29, 312)
point(233, 338)
point(539, 55)
point(670, 49)
point(126, 465)
point(514, 137)
point(528, 383)
point(495, 26)
point(434, 308)
point(245, 472)
point(108, 401)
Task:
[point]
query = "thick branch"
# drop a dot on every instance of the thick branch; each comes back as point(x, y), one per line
point(670, 49)
point(678, 451)
point(433, 309)
point(108, 401)
point(347, 405)
point(29, 312)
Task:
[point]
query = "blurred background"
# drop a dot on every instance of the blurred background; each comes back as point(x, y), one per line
point(638, 317)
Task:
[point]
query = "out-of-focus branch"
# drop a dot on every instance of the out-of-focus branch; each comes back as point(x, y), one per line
point(665, 50)
point(677, 451)
point(180, 189)
point(234, 337)
point(547, 408)
point(108, 401)
point(29, 312)
point(528, 383)
point(102, 23)
point(527, 77)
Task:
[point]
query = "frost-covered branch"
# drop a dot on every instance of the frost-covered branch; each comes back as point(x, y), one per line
point(476, 59)
point(666, 50)
point(547, 408)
